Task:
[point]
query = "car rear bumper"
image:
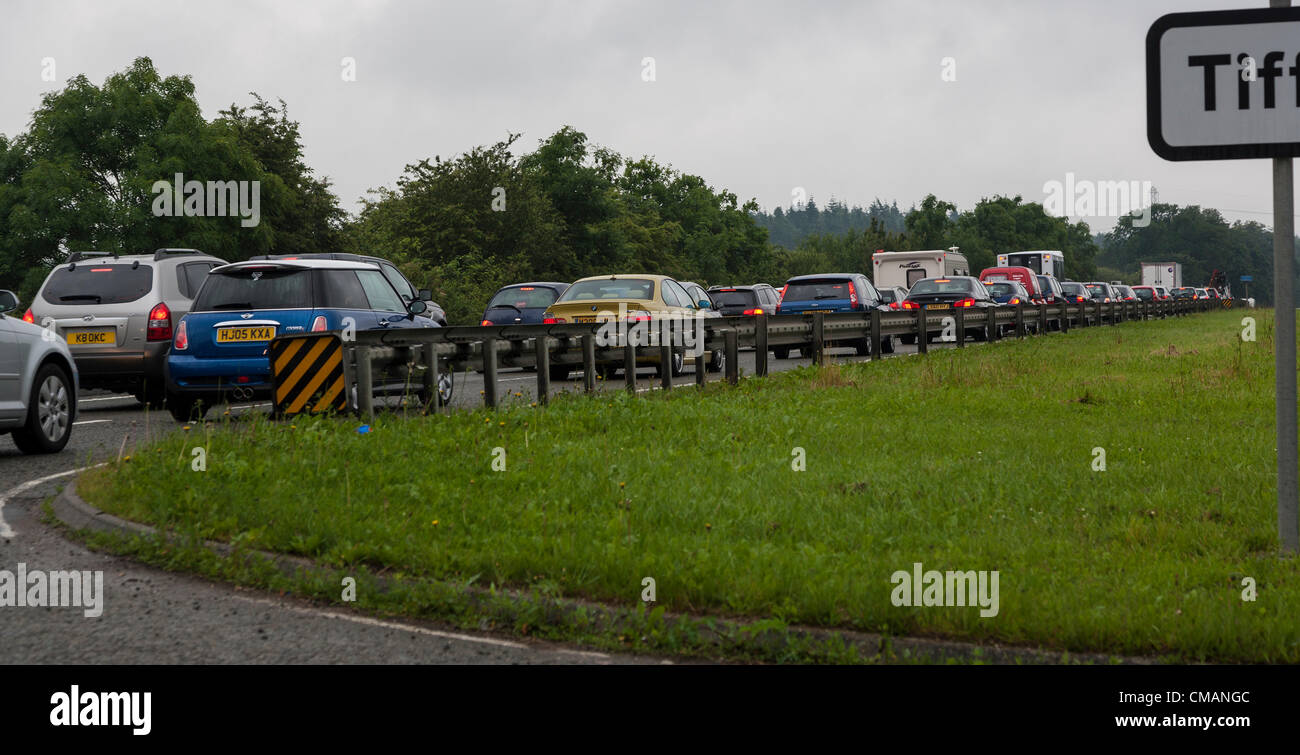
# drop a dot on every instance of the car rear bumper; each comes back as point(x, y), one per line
point(190, 374)
point(116, 367)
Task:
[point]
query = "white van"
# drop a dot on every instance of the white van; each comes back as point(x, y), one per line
point(905, 268)
point(1042, 262)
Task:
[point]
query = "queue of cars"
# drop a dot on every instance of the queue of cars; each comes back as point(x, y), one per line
point(184, 329)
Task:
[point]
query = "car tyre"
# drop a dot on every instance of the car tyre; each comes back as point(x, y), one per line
point(781, 352)
point(887, 345)
point(863, 347)
point(560, 372)
point(186, 408)
point(717, 363)
point(50, 410)
point(607, 371)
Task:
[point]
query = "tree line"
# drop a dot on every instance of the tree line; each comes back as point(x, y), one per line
point(81, 177)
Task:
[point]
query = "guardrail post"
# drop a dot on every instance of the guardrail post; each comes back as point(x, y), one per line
point(959, 319)
point(1065, 317)
point(666, 363)
point(760, 346)
point(992, 313)
point(922, 331)
point(875, 334)
point(1042, 319)
point(818, 345)
point(588, 363)
point(629, 362)
point(489, 347)
point(732, 343)
point(365, 384)
point(1020, 319)
point(430, 355)
point(542, 357)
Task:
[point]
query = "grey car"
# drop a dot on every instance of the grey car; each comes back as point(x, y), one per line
point(38, 384)
point(116, 314)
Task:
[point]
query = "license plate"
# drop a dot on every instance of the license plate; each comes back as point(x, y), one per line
point(936, 306)
point(810, 311)
point(105, 337)
point(585, 318)
point(245, 335)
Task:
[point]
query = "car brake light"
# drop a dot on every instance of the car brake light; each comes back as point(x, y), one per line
point(1078, 298)
point(853, 296)
point(910, 305)
point(553, 320)
point(757, 311)
point(160, 323)
point(319, 324)
point(967, 302)
point(1014, 300)
point(638, 317)
point(485, 323)
point(28, 317)
point(182, 341)
point(783, 288)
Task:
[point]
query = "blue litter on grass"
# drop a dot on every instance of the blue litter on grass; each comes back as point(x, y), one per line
point(363, 429)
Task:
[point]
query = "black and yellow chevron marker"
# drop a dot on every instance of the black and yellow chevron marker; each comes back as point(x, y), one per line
point(307, 372)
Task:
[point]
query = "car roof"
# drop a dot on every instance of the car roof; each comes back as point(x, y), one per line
point(744, 287)
point(305, 264)
point(819, 276)
point(547, 284)
point(627, 276)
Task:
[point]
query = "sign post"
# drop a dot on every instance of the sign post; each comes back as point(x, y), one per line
point(1219, 87)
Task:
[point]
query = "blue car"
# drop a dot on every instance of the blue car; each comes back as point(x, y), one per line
point(832, 292)
point(219, 351)
point(522, 303)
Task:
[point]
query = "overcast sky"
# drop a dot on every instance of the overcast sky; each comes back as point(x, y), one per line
point(841, 99)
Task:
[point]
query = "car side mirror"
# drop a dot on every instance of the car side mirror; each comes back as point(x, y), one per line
point(8, 301)
point(417, 307)
point(425, 295)
point(704, 304)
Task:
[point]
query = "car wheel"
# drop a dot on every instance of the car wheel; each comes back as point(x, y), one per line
point(782, 352)
point(186, 408)
point(607, 371)
point(560, 371)
point(863, 347)
point(887, 345)
point(49, 413)
point(151, 396)
point(675, 366)
point(909, 340)
point(718, 362)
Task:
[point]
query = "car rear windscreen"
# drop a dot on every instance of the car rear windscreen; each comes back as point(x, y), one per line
point(736, 298)
point(256, 288)
point(1098, 291)
point(941, 286)
point(887, 295)
point(621, 288)
point(88, 283)
point(524, 297)
point(814, 290)
point(1145, 294)
point(1002, 289)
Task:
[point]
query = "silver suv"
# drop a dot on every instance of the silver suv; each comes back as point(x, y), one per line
point(38, 384)
point(116, 313)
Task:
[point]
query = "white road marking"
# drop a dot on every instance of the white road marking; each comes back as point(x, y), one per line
point(104, 398)
point(368, 621)
point(5, 530)
point(90, 422)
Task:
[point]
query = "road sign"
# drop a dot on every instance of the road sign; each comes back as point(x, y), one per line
point(1221, 85)
point(1247, 279)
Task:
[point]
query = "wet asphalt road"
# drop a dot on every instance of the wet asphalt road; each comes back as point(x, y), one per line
point(152, 616)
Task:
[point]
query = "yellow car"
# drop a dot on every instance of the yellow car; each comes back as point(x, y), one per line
point(635, 300)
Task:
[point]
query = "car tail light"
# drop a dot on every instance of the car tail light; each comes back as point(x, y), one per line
point(553, 320)
point(28, 317)
point(893, 305)
point(485, 323)
point(853, 296)
point(638, 317)
point(783, 288)
point(182, 341)
point(1014, 300)
point(910, 305)
point(967, 302)
point(1078, 298)
point(160, 323)
point(320, 324)
point(757, 311)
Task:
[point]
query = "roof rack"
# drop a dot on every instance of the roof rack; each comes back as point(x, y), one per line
point(161, 253)
point(76, 257)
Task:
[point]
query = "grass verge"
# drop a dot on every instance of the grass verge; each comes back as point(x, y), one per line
point(983, 459)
